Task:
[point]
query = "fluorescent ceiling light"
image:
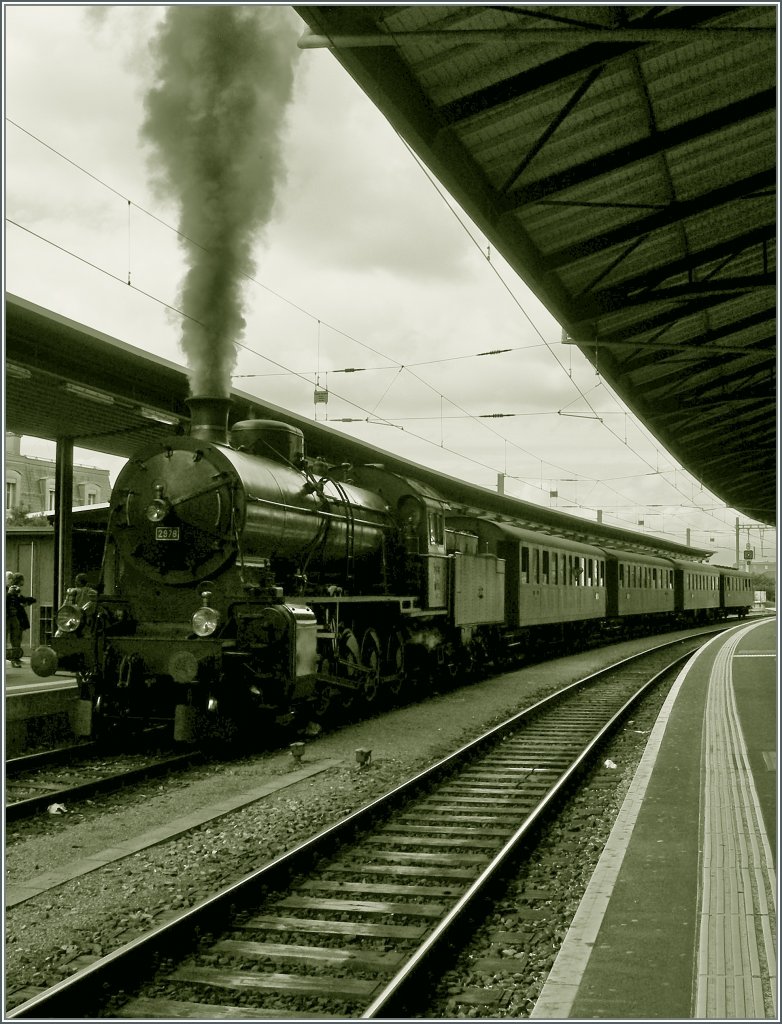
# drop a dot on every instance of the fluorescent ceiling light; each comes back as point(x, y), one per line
point(89, 393)
point(158, 416)
point(19, 372)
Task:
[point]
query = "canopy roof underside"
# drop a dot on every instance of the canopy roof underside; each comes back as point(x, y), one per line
point(623, 161)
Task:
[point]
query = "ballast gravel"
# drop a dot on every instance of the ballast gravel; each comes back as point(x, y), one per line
point(63, 929)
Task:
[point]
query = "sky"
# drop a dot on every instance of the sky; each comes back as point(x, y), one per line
point(360, 278)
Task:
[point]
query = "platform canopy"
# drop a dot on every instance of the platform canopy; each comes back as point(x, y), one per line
point(623, 161)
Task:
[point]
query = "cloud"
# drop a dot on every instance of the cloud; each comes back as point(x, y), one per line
point(374, 211)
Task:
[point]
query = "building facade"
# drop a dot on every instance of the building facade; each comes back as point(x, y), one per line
point(29, 482)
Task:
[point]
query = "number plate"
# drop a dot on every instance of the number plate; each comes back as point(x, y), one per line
point(166, 533)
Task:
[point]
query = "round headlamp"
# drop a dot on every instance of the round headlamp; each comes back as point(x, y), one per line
point(157, 510)
point(69, 618)
point(205, 621)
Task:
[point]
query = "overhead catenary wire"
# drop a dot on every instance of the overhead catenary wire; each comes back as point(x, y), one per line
point(368, 419)
point(465, 413)
point(371, 416)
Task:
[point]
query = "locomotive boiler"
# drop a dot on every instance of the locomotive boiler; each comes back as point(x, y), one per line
point(241, 586)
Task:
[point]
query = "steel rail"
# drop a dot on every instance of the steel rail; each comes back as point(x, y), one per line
point(85, 991)
point(27, 762)
point(32, 805)
point(391, 1002)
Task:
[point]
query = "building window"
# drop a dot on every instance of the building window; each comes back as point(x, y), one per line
point(10, 494)
point(45, 623)
point(50, 499)
point(89, 494)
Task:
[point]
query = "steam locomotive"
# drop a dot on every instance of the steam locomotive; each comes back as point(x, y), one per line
point(244, 584)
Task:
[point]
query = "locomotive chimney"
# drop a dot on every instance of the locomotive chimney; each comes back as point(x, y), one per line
point(209, 418)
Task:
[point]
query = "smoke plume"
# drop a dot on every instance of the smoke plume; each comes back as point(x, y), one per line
point(224, 77)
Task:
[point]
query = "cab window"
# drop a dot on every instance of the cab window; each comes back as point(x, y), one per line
point(436, 529)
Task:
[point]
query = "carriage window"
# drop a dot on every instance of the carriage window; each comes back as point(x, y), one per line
point(621, 574)
point(535, 565)
point(554, 567)
point(525, 565)
point(602, 580)
point(579, 570)
point(654, 577)
point(590, 572)
point(545, 571)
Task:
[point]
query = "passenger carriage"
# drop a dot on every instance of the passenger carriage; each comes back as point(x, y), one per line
point(640, 588)
point(555, 587)
point(697, 592)
point(737, 592)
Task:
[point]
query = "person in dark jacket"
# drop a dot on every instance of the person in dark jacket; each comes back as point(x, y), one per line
point(16, 620)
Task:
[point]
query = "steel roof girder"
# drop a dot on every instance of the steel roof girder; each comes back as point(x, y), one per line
point(738, 285)
point(676, 213)
point(574, 62)
point(674, 314)
point(690, 264)
point(715, 370)
point(652, 145)
point(646, 353)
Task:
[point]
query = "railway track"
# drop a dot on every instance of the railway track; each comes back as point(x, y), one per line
point(349, 922)
point(70, 774)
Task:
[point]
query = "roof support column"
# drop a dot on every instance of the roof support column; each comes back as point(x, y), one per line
point(63, 518)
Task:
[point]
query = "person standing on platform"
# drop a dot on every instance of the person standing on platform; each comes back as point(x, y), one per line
point(16, 620)
point(83, 593)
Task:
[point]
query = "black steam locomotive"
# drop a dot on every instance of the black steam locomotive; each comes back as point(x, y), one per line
point(243, 584)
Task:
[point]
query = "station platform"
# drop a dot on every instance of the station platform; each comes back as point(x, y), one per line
point(679, 918)
point(37, 711)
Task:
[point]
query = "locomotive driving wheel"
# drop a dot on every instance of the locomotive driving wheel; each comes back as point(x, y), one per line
point(371, 660)
point(326, 696)
point(395, 661)
point(349, 665)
